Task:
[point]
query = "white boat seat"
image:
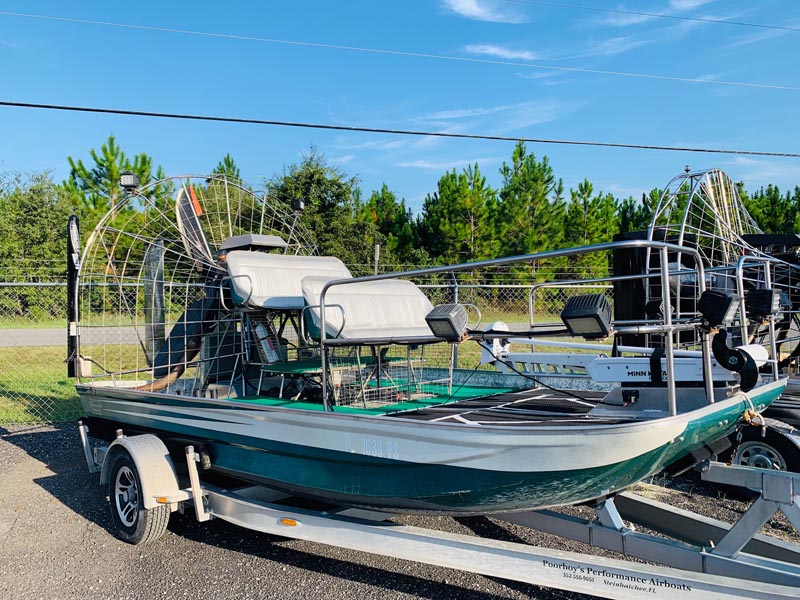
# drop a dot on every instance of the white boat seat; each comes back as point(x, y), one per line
point(260, 280)
point(391, 309)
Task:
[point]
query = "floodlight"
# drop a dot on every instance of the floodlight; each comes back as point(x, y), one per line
point(298, 205)
point(588, 315)
point(128, 182)
point(762, 303)
point(448, 322)
point(718, 308)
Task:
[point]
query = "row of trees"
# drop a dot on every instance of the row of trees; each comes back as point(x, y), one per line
point(464, 219)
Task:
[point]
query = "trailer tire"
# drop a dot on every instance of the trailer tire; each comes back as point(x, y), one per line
point(134, 523)
point(773, 451)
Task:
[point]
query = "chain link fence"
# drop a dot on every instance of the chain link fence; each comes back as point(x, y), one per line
point(34, 387)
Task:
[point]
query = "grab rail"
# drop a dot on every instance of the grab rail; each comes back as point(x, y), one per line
point(766, 262)
point(663, 248)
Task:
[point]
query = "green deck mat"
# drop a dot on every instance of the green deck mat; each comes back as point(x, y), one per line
point(462, 393)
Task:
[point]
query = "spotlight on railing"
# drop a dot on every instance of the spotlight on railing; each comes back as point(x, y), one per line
point(128, 182)
point(588, 315)
point(718, 308)
point(448, 322)
point(762, 303)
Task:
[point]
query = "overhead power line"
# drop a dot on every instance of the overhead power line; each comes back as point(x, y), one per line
point(657, 15)
point(440, 134)
point(525, 65)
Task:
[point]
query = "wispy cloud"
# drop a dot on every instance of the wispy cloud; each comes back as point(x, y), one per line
point(759, 172)
point(714, 76)
point(446, 165)
point(614, 46)
point(548, 78)
point(759, 36)
point(501, 52)
point(688, 4)
point(627, 20)
point(621, 20)
point(502, 118)
point(465, 113)
point(343, 160)
point(426, 152)
point(485, 10)
point(625, 43)
point(680, 30)
point(372, 145)
point(528, 114)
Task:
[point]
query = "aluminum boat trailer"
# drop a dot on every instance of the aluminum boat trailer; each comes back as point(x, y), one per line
point(712, 560)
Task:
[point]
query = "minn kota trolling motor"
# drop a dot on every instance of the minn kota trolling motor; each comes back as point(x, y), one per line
point(717, 310)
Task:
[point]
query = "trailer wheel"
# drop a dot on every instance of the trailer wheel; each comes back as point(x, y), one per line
point(134, 523)
point(773, 451)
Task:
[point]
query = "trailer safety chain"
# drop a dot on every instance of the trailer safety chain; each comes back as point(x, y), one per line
point(735, 449)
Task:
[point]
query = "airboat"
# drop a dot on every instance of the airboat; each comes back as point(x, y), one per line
point(701, 210)
point(201, 315)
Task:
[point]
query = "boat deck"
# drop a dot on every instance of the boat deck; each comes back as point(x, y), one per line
point(539, 406)
point(477, 406)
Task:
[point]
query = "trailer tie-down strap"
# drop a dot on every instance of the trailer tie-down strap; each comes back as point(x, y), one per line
point(655, 366)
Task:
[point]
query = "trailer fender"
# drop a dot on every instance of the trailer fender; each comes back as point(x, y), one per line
point(154, 465)
point(788, 431)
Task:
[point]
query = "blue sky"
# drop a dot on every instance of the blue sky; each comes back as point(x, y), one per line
point(503, 89)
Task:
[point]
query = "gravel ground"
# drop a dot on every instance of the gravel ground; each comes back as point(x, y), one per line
point(56, 541)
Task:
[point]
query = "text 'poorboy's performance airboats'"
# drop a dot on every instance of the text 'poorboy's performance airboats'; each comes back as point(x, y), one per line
point(201, 320)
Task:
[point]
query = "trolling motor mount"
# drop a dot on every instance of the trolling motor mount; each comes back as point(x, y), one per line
point(736, 360)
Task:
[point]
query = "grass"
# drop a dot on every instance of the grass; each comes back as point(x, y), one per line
point(489, 315)
point(34, 386)
point(20, 323)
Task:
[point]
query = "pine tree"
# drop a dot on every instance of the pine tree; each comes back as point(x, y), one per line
point(457, 220)
point(531, 210)
point(590, 220)
point(227, 166)
point(774, 213)
point(95, 190)
point(632, 215)
point(394, 223)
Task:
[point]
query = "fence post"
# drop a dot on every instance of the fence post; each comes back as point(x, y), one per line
point(73, 266)
point(455, 301)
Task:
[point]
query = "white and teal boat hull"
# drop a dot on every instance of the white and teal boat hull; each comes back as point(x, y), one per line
point(395, 463)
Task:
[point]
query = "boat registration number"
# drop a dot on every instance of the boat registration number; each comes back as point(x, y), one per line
point(372, 447)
